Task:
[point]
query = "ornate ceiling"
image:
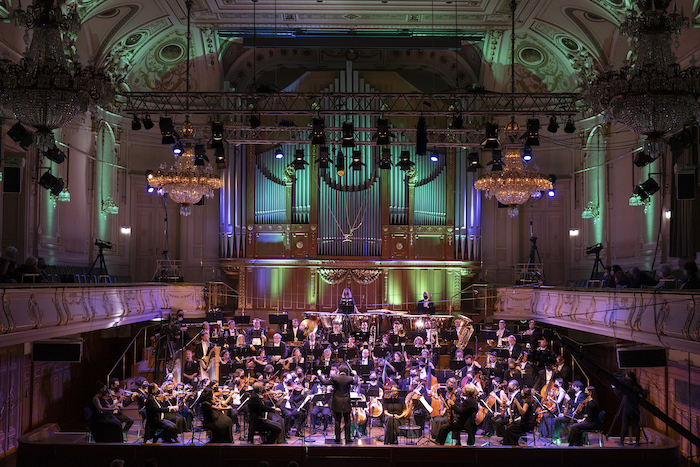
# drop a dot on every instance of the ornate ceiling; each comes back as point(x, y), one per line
point(445, 45)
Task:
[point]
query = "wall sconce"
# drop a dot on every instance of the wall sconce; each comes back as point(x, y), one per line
point(126, 229)
point(573, 232)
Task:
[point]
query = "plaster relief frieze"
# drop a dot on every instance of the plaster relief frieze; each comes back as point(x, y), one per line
point(57, 304)
point(88, 298)
point(689, 319)
point(35, 313)
point(566, 301)
point(8, 315)
point(546, 305)
point(590, 311)
point(609, 318)
point(622, 304)
point(107, 305)
point(641, 309)
point(663, 317)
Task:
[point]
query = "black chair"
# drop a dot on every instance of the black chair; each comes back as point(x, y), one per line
point(599, 430)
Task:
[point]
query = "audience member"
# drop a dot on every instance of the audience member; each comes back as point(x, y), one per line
point(28, 269)
point(608, 278)
point(11, 255)
point(641, 280)
point(621, 280)
point(691, 280)
point(667, 277)
point(5, 278)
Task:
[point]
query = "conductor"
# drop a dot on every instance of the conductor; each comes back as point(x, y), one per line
point(340, 406)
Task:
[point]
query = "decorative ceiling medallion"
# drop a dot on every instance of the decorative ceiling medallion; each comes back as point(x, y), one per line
point(111, 13)
point(593, 17)
point(351, 16)
point(289, 16)
point(531, 56)
point(171, 53)
point(570, 44)
point(133, 39)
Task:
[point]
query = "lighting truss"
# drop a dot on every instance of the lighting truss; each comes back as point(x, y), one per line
point(376, 104)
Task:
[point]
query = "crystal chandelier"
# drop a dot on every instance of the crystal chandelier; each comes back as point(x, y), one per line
point(650, 94)
point(515, 184)
point(186, 181)
point(48, 87)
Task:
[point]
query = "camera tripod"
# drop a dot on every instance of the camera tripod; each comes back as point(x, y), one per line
point(101, 259)
point(598, 262)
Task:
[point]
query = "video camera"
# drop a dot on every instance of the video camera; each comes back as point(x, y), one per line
point(103, 244)
point(595, 249)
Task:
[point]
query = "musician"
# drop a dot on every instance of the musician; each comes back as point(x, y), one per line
point(362, 336)
point(470, 368)
point(347, 303)
point(425, 306)
point(225, 366)
point(385, 346)
point(190, 373)
point(506, 398)
point(514, 349)
point(256, 336)
point(366, 360)
point(565, 417)
point(432, 336)
point(562, 370)
point(116, 399)
point(297, 334)
point(450, 394)
point(258, 422)
point(398, 335)
point(297, 362)
point(526, 414)
point(155, 417)
point(395, 411)
point(104, 425)
point(340, 406)
point(350, 348)
point(630, 409)
point(590, 420)
point(278, 344)
point(203, 350)
point(311, 350)
point(231, 333)
point(336, 337)
point(324, 363)
point(552, 402)
point(532, 335)
point(141, 393)
point(418, 391)
point(501, 334)
point(543, 356)
point(168, 398)
point(492, 368)
point(213, 415)
point(512, 372)
point(464, 412)
point(321, 410)
point(544, 377)
point(527, 371)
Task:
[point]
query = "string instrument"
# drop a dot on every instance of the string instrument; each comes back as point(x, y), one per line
point(437, 404)
point(548, 404)
point(449, 403)
point(376, 408)
point(485, 408)
point(580, 407)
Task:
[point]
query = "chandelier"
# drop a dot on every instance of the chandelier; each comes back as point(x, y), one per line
point(186, 181)
point(515, 184)
point(650, 94)
point(48, 87)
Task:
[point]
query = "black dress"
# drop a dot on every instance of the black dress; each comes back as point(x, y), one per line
point(215, 420)
point(516, 429)
point(391, 430)
point(104, 426)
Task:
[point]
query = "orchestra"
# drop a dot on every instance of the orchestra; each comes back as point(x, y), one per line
point(340, 366)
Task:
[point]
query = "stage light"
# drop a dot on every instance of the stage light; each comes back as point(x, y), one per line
point(126, 229)
point(21, 135)
point(324, 159)
point(385, 159)
point(299, 163)
point(650, 186)
point(339, 163)
point(642, 158)
point(166, 130)
point(421, 137)
point(552, 191)
point(573, 232)
point(135, 123)
point(405, 162)
point(219, 158)
point(348, 135)
point(317, 136)
point(533, 132)
point(473, 162)
point(569, 127)
point(177, 149)
point(434, 156)
point(51, 183)
point(496, 163)
point(527, 154)
point(491, 141)
point(149, 188)
point(681, 141)
point(553, 125)
point(457, 122)
point(147, 122)
point(383, 135)
point(200, 155)
point(254, 121)
point(54, 154)
point(217, 135)
point(513, 125)
point(667, 213)
point(279, 154)
point(356, 163)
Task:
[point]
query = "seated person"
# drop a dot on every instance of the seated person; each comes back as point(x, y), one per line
point(425, 306)
point(347, 303)
point(640, 280)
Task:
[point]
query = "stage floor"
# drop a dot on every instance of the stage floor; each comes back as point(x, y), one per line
point(49, 446)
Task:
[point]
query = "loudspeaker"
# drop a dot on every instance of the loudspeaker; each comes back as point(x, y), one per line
point(685, 181)
point(641, 357)
point(59, 351)
point(12, 180)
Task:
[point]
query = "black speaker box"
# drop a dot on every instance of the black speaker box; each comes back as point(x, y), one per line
point(641, 357)
point(685, 186)
point(12, 180)
point(59, 351)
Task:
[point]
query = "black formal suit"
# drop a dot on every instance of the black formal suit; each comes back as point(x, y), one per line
point(155, 421)
point(310, 352)
point(543, 379)
point(283, 352)
point(464, 419)
point(199, 351)
point(297, 335)
point(257, 410)
point(340, 404)
point(564, 373)
point(515, 351)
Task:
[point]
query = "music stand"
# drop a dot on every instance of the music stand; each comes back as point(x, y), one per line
point(243, 319)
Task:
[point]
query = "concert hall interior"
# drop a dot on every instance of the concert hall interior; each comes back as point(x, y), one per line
point(463, 222)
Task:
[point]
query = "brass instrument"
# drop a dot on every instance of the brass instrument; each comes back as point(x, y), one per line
point(464, 331)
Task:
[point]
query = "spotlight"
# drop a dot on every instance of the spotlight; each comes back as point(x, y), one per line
point(405, 161)
point(569, 127)
point(553, 125)
point(220, 158)
point(533, 132)
point(299, 163)
point(51, 183)
point(356, 163)
point(435, 155)
point(317, 136)
point(55, 154)
point(177, 149)
point(279, 154)
point(457, 122)
point(21, 135)
point(385, 159)
point(166, 130)
point(527, 154)
point(650, 186)
point(496, 163)
point(254, 121)
point(681, 141)
point(147, 122)
point(217, 135)
point(383, 135)
point(421, 137)
point(348, 135)
point(200, 155)
point(149, 176)
point(552, 191)
point(339, 163)
point(513, 125)
point(324, 158)
point(491, 141)
point(135, 123)
point(473, 162)
point(642, 158)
